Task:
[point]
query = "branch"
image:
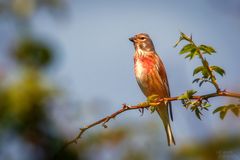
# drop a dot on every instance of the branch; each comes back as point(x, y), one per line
point(205, 64)
point(143, 106)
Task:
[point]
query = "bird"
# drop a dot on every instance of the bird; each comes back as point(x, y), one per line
point(152, 79)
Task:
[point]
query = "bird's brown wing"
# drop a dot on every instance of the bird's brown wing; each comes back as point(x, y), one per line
point(163, 75)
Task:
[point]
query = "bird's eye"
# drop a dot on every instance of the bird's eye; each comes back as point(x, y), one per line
point(142, 38)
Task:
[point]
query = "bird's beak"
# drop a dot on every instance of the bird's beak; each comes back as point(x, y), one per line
point(131, 39)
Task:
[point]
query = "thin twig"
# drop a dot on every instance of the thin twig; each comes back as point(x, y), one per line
point(143, 106)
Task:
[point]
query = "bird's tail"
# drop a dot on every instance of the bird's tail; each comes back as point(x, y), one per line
point(163, 112)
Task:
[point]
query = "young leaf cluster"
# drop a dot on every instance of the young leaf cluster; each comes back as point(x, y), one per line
point(152, 99)
point(195, 105)
point(191, 50)
point(205, 73)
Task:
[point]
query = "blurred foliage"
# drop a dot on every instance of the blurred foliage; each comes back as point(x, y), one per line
point(33, 53)
point(22, 99)
point(100, 140)
point(117, 138)
point(134, 154)
point(24, 103)
point(26, 8)
point(214, 148)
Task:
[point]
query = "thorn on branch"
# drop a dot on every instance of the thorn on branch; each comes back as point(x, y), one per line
point(104, 123)
point(104, 126)
point(75, 141)
point(125, 107)
point(141, 110)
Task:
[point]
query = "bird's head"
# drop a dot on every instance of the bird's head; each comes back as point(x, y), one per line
point(142, 42)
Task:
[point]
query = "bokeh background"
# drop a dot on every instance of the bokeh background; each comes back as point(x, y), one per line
point(65, 64)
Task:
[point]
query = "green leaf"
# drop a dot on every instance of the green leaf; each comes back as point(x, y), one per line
point(152, 98)
point(183, 96)
point(198, 113)
point(205, 108)
point(188, 56)
point(207, 49)
point(185, 37)
point(152, 109)
point(187, 48)
point(205, 73)
point(218, 70)
point(177, 43)
point(196, 80)
point(207, 105)
point(201, 83)
point(192, 54)
point(236, 110)
point(187, 95)
point(223, 114)
point(219, 109)
point(197, 70)
point(190, 93)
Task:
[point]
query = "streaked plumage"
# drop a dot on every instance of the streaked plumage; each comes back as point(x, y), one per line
point(151, 77)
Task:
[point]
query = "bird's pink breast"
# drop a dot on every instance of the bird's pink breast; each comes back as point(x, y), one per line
point(143, 64)
point(147, 75)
